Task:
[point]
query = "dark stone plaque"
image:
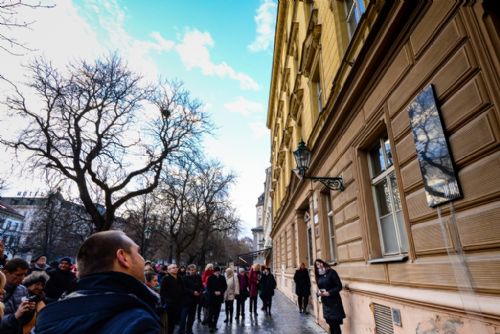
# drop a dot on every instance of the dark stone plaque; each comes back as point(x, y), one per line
point(436, 165)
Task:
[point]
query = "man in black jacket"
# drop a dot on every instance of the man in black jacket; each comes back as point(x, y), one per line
point(216, 287)
point(171, 292)
point(111, 297)
point(62, 280)
point(193, 289)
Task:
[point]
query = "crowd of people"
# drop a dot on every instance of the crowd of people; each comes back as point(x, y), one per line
point(28, 288)
point(188, 294)
point(117, 291)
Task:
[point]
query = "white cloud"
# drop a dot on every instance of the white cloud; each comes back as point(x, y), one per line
point(194, 52)
point(264, 19)
point(243, 106)
point(161, 43)
point(259, 130)
point(136, 52)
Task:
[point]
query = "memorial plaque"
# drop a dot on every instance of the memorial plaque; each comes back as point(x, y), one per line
point(436, 164)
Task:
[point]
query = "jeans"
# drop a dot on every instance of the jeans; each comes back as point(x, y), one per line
point(253, 305)
point(213, 314)
point(334, 327)
point(303, 301)
point(229, 309)
point(188, 314)
point(240, 307)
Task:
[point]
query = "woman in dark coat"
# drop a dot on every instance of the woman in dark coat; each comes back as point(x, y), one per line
point(267, 285)
point(329, 286)
point(302, 287)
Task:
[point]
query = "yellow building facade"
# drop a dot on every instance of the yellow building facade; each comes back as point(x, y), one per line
point(345, 76)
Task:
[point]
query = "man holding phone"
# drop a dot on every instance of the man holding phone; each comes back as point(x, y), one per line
point(18, 310)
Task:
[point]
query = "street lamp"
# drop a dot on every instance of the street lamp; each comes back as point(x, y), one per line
point(303, 159)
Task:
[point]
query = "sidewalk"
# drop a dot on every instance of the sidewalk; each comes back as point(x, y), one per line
point(285, 319)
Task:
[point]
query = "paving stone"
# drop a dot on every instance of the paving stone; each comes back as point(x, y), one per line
point(285, 319)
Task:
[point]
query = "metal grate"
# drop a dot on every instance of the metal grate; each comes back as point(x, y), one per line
point(383, 319)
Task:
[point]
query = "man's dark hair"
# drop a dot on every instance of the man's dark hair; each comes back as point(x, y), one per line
point(14, 264)
point(149, 276)
point(98, 252)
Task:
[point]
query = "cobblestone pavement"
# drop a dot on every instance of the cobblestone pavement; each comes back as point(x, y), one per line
point(285, 319)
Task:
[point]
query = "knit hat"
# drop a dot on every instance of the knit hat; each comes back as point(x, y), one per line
point(35, 277)
point(36, 258)
point(216, 269)
point(66, 259)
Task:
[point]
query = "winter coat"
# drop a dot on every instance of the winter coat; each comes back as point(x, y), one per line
point(302, 282)
point(215, 283)
point(60, 281)
point(10, 325)
point(12, 299)
point(333, 310)
point(233, 288)
point(171, 293)
point(253, 282)
point(204, 277)
point(104, 303)
point(243, 283)
point(191, 283)
point(40, 305)
point(266, 286)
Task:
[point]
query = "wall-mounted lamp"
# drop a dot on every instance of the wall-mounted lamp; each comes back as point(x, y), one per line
point(303, 159)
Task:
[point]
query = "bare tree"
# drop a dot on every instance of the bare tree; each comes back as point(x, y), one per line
point(100, 128)
point(194, 198)
point(3, 185)
point(141, 222)
point(10, 21)
point(59, 228)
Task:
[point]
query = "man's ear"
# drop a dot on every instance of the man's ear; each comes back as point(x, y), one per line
point(123, 258)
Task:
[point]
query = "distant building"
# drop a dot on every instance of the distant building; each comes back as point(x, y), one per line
point(48, 218)
point(258, 231)
point(357, 81)
point(262, 243)
point(11, 229)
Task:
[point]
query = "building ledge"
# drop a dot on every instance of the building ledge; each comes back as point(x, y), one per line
point(398, 258)
point(462, 301)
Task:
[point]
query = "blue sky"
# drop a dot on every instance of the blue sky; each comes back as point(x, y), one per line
point(220, 49)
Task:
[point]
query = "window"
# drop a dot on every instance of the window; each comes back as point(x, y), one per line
point(331, 228)
point(353, 9)
point(387, 200)
point(307, 219)
point(317, 92)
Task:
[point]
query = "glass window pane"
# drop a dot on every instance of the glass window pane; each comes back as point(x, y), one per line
point(361, 6)
point(309, 246)
point(389, 237)
point(388, 152)
point(333, 247)
point(377, 160)
point(382, 198)
point(402, 231)
point(395, 192)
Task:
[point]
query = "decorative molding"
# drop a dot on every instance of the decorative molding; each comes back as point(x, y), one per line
point(281, 156)
point(296, 98)
point(281, 103)
point(286, 81)
point(311, 44)
point(287, 135)
point(293, 36)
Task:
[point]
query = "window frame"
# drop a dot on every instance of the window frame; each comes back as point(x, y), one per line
point(355, 12)
point(385, 175)
point(332, 240)
point(309, 237)
point(316, 90)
